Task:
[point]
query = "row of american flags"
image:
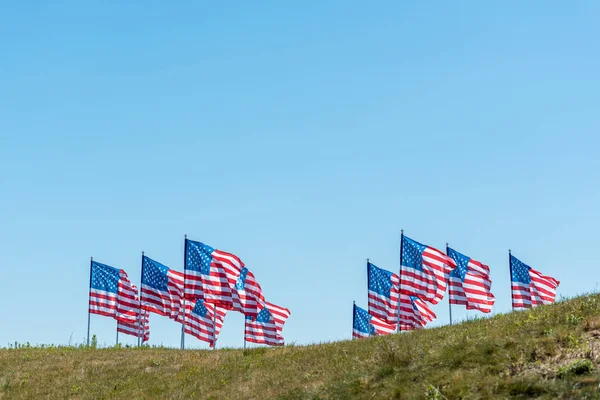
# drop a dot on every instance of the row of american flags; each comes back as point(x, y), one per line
point(401, 302)
point(213, 283)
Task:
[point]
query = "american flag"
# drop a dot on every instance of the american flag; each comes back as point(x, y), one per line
point(384, 288)
point(529, 287)
point(424, 271)
point(267, 327)
point(221, 278)
point(414, 313)
point(365, 325)
point(132, 329)
point(112, 294)
point(470, 283)
point(162, 289)
point(200, 320)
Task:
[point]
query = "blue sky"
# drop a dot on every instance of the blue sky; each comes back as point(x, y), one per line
point(301, 137)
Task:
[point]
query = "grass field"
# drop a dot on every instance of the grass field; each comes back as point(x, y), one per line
point(549, 352)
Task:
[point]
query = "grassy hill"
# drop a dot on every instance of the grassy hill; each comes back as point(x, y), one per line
point(550, 352)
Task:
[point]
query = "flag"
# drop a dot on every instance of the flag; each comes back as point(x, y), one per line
point(267, 327)
point(529, 287)
point(365, 325)
point(384, 288)
point(470, 283)
point(132, 329)
point(111, 293)
point(414, 313)
point(162, 289)
point(221, 278)
point(200, 320)
point(424, 271)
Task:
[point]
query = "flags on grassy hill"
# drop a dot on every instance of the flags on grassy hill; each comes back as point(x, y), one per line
point(470, 283)
point(424, 270)
point(162, 289)
point(384, 289)
point(267, 327)
point(111, 293)
point(414, 313)
point(201, 321)
point(221, 278)
point(529, 287)
point(365, 325)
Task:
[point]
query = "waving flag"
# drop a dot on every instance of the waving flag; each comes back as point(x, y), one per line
point(200, 321)
point(414, 313)
point(384, 288)
point(220, 278)
point(424, 271)
point(162, 289)
point(111, 293)
point(365, 325)
point(470, 283)
point(133, 329)
point(267, 327)
point(529, 287)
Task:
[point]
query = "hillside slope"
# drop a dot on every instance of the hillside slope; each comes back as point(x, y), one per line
point(550, 352)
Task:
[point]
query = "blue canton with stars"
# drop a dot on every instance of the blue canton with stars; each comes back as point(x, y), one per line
point(241, 282)
point(462, 264)
point(264, 316)
point(412, 253)
point(105, 277)
point(519, 270)
point(380, 280)
point(362, 321)
point(199, 257)
point(154, 274)
point(200, 309)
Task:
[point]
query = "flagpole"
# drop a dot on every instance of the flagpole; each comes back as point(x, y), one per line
point(184, 279)
point(140, 299)
point(512, 302)
point(215, 326)
point(245, 322)
point(368, 281)
point(353, 317)
point(449, 304)
point(89, 299)
point(400, 277)
point(117, 334)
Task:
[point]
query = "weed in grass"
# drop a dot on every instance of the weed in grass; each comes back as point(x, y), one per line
point(577, 367)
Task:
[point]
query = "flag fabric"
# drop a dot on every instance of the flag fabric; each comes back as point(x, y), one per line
point(132, 329)
point(162, 289)
point(111, 293)
point(529, 287)
point(470, 283)
point(414, 313)
point(267, 327)
point(200, 320)
point(384, 289)
point(365, 325)
point(424, 271)
point(221, 278)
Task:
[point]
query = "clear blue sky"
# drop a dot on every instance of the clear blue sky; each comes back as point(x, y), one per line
point(301, 137)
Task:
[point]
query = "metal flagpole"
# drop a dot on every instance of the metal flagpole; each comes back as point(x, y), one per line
point(117, 334)
point(215, 326)
point(184, 279)
point(89, 299)
point(140, 299)
point(353, 317)
point(400, 276)
point(368, 281)
point(245, 322)
point(449, 304)
point(512, 300)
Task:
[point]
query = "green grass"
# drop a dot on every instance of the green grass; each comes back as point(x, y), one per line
point(550, 352)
